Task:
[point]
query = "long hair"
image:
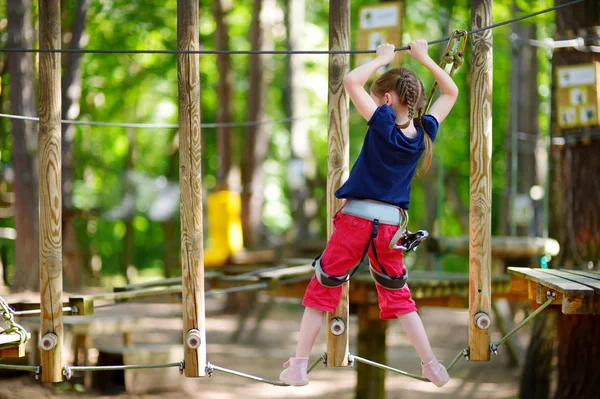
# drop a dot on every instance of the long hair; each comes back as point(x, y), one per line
point(411, 92)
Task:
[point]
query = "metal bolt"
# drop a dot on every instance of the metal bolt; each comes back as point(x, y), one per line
point(49, 341)
point(482, 321)
point(337, 326)
point(194, 338)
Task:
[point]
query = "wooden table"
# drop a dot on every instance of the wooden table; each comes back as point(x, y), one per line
point(577, 291)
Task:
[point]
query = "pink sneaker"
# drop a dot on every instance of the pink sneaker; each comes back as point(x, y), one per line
point(295, 372)
point(435, 372)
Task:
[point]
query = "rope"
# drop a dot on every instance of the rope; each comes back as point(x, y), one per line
point(525, 321)
point(314, 364)
point(165, 125)
point(388, 368)
point(211, 367)
point(462, 354)
point(276, 52)
point(19, 368)
point(35, 312)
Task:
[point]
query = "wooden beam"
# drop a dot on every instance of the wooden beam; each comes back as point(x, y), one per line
point(502, 247)
point(190, 179)
point(50, 194)
point(480, 209)
point(338, 158)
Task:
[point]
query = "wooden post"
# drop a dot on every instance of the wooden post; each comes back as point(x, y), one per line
point(338, 159)
point(480, 210)
point(50, 194)
point(190, 180)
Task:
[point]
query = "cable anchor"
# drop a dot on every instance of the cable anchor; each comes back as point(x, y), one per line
point(494, 349)
point(67, 372)
point(209, 369)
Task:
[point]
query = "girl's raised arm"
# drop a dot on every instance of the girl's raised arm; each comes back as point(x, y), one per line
point(355, 80)
point(442, 106)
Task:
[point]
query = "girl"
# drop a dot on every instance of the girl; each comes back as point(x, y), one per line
point(377, 194)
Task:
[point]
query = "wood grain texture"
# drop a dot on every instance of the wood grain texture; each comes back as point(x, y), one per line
point(480, 210)
point(50, 192)
point(190, 150)
point(338, 158)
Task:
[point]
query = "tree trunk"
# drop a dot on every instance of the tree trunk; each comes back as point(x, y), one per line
point(22, 102)
point(371, 345)
point(295, 104)
point(129, 268)
point(523, 129)
point(71, 96)
point(256, 140)
point(536, 376)
point(574, 218)
point(224, 89)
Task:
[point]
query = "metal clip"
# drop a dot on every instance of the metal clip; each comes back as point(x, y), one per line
point(465, 354)
point(494, 349)
point(209, 369)
point(411, 241)
point(181, 367)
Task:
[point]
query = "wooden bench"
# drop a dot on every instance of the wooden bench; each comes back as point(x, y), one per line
point(577, 291)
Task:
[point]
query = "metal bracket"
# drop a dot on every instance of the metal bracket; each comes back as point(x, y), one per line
point(550, 294)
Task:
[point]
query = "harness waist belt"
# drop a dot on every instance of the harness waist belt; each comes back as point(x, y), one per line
point(371, 210)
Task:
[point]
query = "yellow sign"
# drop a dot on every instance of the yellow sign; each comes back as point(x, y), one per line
point(578, 95)
point(378, 24)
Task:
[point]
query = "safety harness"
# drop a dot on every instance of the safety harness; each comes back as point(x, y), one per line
point(407, 241)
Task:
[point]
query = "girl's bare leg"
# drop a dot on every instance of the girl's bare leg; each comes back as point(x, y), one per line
point(309, 329)
point(413, 326)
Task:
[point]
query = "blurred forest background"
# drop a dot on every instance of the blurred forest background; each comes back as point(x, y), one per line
point(120, 194)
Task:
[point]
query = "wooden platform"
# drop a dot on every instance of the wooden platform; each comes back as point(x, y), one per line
point(576, 291)
point(427, 288)
point(10, 345)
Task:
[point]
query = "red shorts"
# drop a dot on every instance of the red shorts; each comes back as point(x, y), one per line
point(344, 250)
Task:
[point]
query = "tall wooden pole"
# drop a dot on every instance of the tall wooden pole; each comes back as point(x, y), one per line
point(50, 194)
point(190, 181)
point(480, 210)
point(338, 160)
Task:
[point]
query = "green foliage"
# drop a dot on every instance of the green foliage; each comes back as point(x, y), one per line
point(143, 88)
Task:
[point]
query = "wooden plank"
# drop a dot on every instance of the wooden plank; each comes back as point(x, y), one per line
point(480, 193)
point(560, 284)
point(50, 190)
point(580, 279)
point(338, 159)
point(9, 338)
point(518, 284)
point(289, 272)
point(190, 182)
point(593, 275)
point(502, 247)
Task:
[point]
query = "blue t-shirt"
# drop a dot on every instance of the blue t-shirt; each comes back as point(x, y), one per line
point(387, 161)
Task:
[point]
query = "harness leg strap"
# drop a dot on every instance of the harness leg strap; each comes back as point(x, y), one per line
point(325, 279)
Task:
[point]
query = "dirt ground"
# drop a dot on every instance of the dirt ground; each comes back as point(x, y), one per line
point(275, 342)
